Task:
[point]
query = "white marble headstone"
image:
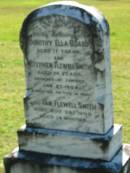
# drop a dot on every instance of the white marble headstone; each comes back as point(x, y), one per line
point(67, 65)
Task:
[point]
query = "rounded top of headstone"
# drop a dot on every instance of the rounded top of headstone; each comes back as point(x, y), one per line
point(85, 14)
point(67, 67)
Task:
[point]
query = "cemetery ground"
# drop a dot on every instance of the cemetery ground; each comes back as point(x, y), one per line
point(12, 82)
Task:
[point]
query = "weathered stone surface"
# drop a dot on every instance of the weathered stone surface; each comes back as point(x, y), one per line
point(68, 102)
point(21, 162)
point(80, 145)
point(67, 64)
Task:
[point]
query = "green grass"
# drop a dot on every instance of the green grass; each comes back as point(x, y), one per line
point(12, 82)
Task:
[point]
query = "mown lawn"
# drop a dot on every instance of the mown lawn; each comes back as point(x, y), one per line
point(12, 82)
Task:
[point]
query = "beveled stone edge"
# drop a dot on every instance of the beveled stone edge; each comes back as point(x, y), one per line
point(106, 137)
point(70, 144)
point(116, 165)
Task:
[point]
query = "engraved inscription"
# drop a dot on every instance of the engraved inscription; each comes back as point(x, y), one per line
point(61, 76)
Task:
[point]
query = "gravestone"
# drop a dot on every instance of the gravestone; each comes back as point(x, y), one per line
point(67, 71)
point(68, 102)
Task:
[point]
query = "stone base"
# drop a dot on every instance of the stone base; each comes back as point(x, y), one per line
point(30, 162)
point(80, 145)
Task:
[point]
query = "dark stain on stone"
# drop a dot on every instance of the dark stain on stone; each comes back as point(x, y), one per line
point(25, 103)
point(107, 26)
point(103, 144)
point(9, 160)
